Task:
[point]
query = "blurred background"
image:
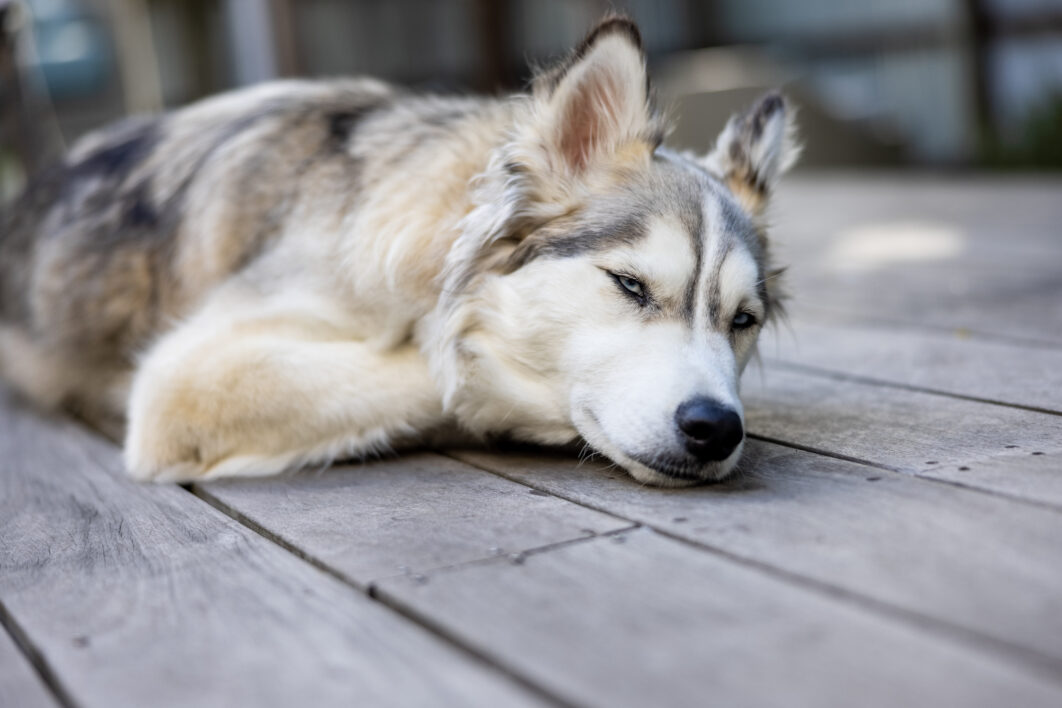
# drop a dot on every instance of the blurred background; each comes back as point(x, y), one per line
point(951, 84)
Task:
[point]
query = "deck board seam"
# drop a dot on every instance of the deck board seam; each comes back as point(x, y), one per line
point(842, 317)
point(35, 657)
point(370, 590)
point(516, 558)
point(1031, 658)
point(386, 599)
point(824, 372)
point(1014, 498)
point(1035, 661)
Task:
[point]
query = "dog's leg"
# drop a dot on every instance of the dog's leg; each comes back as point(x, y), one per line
point(260, 394)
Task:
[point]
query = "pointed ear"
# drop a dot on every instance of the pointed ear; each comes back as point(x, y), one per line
point(754, 150)
point(597, 102)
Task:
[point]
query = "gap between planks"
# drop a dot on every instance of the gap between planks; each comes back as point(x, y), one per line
point(425, 623)
point(1017, 499)
point(827, 373)
point(841, 316)
point(1014, 654)
point(368, 588)
point(832, 448)
point(36, 659)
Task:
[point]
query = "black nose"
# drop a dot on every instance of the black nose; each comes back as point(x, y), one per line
point(711, 430)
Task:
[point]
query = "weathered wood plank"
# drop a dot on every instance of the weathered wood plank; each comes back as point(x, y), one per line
point(146, 596)
point(946, 361)
point(1010, 217)
point(955, 253)
point(638, 620)
point(909, 430)
point(969, 559)
point(409, 515)
point(19, 684)
point(1027, 476)
point(1032, 318)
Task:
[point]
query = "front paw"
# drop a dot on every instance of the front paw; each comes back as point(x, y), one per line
point(165, 444)
point(161, 454)
point(164, 440)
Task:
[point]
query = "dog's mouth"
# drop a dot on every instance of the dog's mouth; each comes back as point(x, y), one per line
point(665, 472)
point(659, 469)
point(679, 469)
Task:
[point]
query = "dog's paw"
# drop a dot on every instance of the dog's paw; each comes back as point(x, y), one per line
point(160, 458)
point(163, 446)
point(165, 441)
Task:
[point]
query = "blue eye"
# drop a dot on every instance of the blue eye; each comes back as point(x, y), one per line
point(742, 320)
point(631, 285)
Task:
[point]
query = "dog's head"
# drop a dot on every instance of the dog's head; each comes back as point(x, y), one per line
point(607, 287)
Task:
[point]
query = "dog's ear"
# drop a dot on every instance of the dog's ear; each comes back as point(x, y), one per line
point(754, 150)
point(597, 102)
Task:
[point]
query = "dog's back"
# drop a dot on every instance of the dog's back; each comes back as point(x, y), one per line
point(107, 246)
point(141, 220)
point(320, 269)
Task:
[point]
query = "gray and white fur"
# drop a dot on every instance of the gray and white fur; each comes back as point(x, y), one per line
point(303, 271)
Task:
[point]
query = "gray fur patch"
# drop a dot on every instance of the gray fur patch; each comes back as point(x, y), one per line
point(585, 239)
point(111, 214)
point(689, 298)
point(130, 143)
point(65, 194)
point(715, 295)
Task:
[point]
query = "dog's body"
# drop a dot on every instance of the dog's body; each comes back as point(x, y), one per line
point(303, 271)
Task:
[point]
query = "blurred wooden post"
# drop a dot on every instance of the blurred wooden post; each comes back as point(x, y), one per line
point(285, 37)
point(137, 62)
point(251, 38)
point(979, 39)
point(18, 130)
point(492, 24)
point(702, 28)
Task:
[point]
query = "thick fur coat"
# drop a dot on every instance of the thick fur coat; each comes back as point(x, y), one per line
point(304, 271)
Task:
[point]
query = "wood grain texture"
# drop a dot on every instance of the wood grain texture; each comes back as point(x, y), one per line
point(907, 430)
point(637, 620)
point(146, 596)
point(20, 687)
point(950, 362)
point(410, 515)
point(977, 254)
point(966, 558)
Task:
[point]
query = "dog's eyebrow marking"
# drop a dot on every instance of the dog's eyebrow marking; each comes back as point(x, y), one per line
point(715, 295)
point(695, 226)
point(625, 231)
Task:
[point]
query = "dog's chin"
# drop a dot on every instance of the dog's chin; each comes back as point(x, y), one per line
point(661, 472)
point(648, 475)
point(656, 469)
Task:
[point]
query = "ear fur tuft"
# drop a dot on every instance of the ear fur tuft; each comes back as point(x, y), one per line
point(546, 80)
point(755, 149)
point(597, 101)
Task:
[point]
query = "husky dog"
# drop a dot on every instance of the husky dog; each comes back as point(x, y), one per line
point(305, 271)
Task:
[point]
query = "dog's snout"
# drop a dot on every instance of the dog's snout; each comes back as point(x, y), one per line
point(711, 430)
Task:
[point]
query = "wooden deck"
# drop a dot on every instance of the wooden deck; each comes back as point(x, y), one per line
point(896, 538)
